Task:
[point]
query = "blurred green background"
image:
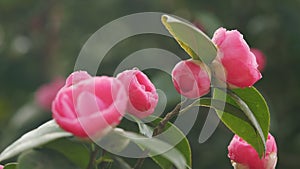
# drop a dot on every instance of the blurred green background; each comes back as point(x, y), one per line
point(40, 40)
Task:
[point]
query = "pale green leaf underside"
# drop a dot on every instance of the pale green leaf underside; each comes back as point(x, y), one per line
point(37, 137)
point(191, 39)
point(156, 146)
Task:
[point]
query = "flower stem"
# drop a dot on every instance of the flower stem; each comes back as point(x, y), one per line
point(93, 156)
point(162, 124)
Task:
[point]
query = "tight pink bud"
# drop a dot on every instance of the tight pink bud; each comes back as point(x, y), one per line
point(191, 78)
point(244, 156)
point(47, 92)
point(89, 106)
point(238, 61)
point(260, 58)
point(142, 93)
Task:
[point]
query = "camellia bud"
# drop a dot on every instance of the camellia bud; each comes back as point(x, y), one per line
point(142, 95)
point(191, 78)
point(244, 156)
point(238, 62)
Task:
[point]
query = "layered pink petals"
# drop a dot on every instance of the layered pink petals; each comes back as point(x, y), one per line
point(238, 61)
point(47, 92)
point(89, 106)
point(142, 94)
point(244, 155)
point(191, 78)
point(260, 58)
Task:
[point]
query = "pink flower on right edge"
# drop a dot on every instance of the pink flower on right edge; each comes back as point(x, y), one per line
point(238, 61)
point(244, 156)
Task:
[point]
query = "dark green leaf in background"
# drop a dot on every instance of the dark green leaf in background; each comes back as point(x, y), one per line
point(44, 159)
point(11, 166)
point(75, 151)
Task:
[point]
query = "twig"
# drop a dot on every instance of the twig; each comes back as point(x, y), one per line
point(162, 124)
point(93, 157)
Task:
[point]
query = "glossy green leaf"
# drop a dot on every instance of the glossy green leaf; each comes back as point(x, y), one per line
point(250, 101)
point(44, 159)
point(143, 128)
point(225, 107)
point(122, 164)
point(173, 133)
point(45, 133)
point(191, 39)
point(26, 118)
point(156, 146)
point(11, 166)
point(75, 151)
point(170, 136)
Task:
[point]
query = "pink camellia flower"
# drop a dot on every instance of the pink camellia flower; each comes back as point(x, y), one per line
point(142, 93)
point(47, 92)
point(191, 78)
point(244, 156)
point(260, 58)
point(89, 106)
point(1, 166)
point(238, 61)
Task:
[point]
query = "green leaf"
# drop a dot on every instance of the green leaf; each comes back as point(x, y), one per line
point(45, 133)
point(224, 107)
point(122, 164)
point(44, 159)
point(114, 141)
point(143, 128)
point(191, 39)
point(172, 133)
point(75, 151)
point(156, 146)
point(26, 118)
point(250, 101)
point(11, 166)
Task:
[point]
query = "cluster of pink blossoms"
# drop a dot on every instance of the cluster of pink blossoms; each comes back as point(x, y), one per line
point(91, 106)
point(234, 64)
point(238, 66)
